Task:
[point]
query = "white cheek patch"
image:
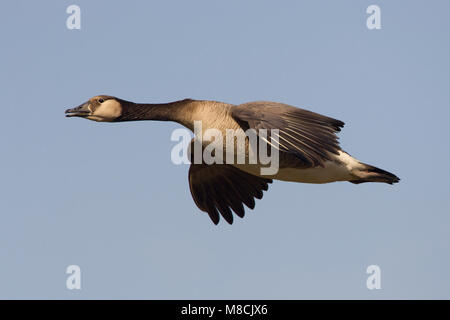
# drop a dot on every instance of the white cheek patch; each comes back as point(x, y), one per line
point(107, 111)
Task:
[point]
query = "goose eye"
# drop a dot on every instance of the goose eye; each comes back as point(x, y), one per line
point(101, 100)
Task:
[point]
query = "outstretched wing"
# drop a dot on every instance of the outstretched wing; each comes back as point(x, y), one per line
point(308, 135)
point(222, 188)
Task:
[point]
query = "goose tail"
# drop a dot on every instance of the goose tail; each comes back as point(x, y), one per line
point(368, 173)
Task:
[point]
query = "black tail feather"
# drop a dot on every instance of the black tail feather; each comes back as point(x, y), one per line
point(373, 174)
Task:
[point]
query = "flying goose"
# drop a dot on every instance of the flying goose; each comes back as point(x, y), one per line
point(308, 147)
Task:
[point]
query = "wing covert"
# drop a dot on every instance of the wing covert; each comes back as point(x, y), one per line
point(308, 135)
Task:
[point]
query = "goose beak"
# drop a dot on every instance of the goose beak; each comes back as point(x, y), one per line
point(80, 111)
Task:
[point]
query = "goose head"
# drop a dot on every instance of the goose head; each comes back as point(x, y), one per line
point(99, 108)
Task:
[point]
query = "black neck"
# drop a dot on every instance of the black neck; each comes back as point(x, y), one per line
point(148, 111)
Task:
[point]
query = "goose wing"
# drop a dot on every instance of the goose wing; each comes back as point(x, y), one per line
point(219, 189)
point(308, 135)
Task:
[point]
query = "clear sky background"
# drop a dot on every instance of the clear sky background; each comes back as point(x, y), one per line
point(107, 197)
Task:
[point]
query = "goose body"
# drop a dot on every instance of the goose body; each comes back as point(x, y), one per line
point(307, 146)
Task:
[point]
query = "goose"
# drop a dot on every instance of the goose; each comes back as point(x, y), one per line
point(309, 150)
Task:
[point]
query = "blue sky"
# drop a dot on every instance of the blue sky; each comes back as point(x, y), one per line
point(107, 197)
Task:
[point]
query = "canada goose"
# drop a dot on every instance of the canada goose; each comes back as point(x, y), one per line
point(308, 147)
